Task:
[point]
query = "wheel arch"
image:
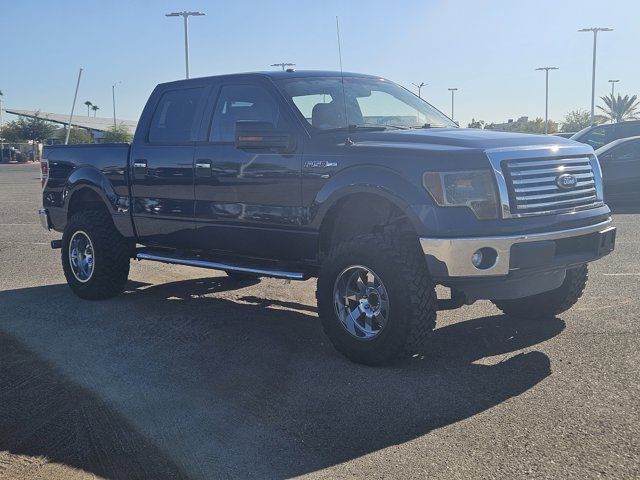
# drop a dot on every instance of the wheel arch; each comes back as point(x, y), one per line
point(347, 196)
point(86, 186)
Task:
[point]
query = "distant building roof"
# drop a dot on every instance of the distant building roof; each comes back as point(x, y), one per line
point(99, 124)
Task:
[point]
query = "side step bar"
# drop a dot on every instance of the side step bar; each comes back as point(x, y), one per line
point(192, 262)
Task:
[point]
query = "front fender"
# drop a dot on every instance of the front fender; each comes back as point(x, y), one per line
point(377, 180)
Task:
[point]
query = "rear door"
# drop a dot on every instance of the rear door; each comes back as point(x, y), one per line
point(248, 202)
point(621, 171)
point(162, 169)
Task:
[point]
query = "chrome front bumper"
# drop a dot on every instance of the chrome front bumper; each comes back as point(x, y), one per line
point(43, 213)
point(456, 253)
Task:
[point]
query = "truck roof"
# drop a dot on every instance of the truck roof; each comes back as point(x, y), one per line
point(275, 75)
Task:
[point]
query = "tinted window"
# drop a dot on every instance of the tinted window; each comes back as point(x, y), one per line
point(597, 137)
point(624, 131)
point(174, 118)
point(242, 102)
point(627, 152)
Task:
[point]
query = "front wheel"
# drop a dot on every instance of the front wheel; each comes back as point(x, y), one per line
point(551, 303)
point(95, 257)
point(375, 299)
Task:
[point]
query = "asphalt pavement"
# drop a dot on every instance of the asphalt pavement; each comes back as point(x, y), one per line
point(190, 374)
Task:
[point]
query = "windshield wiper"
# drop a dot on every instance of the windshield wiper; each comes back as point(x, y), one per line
point(429, 125)
point(369, 127)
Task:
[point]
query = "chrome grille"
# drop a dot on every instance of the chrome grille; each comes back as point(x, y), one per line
point(533, 184)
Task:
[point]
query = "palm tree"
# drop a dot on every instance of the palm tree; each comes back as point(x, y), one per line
point(621, 108)
point(95, 109)
point(88, 104)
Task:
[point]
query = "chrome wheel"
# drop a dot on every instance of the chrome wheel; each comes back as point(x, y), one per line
point(81, 256)
point(361, 302)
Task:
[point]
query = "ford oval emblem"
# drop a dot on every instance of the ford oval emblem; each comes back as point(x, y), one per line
point(566, 181)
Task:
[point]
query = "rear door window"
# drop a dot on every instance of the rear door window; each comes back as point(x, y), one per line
point(175, 117)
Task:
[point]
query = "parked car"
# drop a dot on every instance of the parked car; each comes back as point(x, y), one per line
point(620, 161)
point(564, 134)
point(600, 135)
point(351, 179)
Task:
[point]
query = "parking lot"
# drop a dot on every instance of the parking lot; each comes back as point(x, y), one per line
point(192, 375)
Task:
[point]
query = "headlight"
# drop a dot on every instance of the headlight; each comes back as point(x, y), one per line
point(473, 189)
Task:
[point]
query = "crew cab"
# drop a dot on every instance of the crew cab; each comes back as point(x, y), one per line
point(346, 177)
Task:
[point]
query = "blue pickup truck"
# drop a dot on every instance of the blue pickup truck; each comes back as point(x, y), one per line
point(346, 177)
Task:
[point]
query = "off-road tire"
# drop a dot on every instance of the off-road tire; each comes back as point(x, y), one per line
point(412, 298)
point(112, 253)
point(241, 276)
point(551, 303)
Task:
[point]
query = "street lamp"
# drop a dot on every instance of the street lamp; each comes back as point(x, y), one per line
point(419, 87)
point(284, 65)
point(613, 83)
point(113, 96)
point(453, 91)
point(546, 97)
point(185, 16)
point(595, 31)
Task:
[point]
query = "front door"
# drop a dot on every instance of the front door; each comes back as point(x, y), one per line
point(162, 168)
point(248, 201)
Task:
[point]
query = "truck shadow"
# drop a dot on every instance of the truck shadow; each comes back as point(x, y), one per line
point(170, 381)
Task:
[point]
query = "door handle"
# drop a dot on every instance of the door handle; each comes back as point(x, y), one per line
point(203, 168)
point(140, 164)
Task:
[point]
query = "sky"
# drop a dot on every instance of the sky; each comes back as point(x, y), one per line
point(487, 49)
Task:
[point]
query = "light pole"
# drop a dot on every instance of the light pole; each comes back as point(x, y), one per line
point(284, 65)
point(419, 87)
point(73, 106)
point(453, 91)
point(113, 96)
point(546, 97)
point(185, 16)
point(595, 31)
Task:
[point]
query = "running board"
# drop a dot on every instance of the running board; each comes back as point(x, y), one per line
point(192, 262)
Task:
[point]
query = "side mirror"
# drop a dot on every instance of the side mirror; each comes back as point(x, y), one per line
point(253, 135)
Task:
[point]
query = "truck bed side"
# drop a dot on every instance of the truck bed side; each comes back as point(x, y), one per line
point(84, 175)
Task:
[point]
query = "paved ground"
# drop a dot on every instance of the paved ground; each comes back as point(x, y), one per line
point(191, 375)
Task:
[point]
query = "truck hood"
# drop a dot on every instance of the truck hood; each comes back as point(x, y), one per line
point(454, 139)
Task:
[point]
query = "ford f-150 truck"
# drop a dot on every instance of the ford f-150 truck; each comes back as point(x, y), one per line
point(346, 177)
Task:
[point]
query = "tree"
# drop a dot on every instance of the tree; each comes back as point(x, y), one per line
point(576, 120)
point(95, 109)
point(524, 125)
point(621, 108)
point(88, 104)
point(117, 134)
point(76, 136)
point(33, 128)
point(476, 123)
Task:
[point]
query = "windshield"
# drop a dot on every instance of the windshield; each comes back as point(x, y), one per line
point(364, 102)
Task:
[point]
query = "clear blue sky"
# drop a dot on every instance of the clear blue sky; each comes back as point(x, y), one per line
point(488, 49)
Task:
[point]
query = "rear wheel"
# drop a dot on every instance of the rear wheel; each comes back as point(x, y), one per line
point(551, 303)
point(375, 299)
point(95, 257)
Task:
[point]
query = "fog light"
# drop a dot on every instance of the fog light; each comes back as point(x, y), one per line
point(484, 258)
point(476, 258)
